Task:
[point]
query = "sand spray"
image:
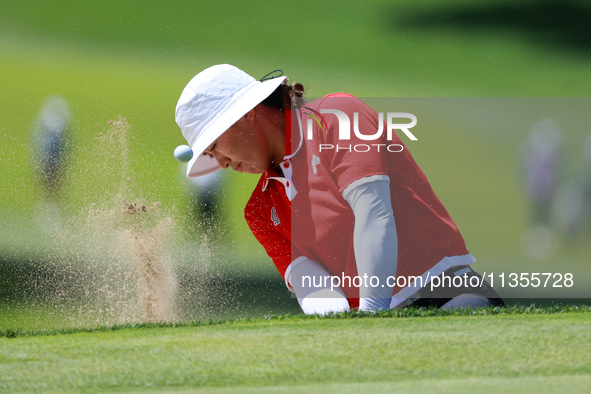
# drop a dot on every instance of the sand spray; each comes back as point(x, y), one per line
point(109, 251)
point(115, 258)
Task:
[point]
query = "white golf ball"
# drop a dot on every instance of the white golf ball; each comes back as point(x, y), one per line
point(183, 153)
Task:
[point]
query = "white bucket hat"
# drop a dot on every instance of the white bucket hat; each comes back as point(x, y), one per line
point(212, 101)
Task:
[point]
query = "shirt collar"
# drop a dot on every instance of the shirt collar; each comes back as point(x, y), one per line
point(285, 165)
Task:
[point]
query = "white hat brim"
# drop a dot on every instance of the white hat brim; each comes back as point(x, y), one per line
point(203, 164)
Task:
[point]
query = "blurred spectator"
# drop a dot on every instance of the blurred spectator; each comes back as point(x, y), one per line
point(540, 155)
point(50, 145)
point(572, 205)
point(204, 194)
point(586, 203)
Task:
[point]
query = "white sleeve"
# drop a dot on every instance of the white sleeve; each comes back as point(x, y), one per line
point(314, 288)
point(375, 240)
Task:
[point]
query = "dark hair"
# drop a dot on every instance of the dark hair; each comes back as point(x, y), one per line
point(281, 97)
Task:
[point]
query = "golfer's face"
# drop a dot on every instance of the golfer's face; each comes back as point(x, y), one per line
point(243, 147)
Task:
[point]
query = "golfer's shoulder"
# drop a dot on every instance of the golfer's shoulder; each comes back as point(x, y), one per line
point(340, 101)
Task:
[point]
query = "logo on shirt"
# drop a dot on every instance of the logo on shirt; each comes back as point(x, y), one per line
point(274, 217)
point(315, 162)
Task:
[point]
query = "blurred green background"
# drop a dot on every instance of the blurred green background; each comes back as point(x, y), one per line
point(133, 58)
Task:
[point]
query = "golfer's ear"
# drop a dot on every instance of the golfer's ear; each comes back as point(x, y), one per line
point(251, 115)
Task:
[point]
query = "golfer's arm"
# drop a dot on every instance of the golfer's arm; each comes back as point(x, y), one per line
point(375, 239)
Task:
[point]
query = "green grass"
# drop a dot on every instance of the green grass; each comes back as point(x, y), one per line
point(499, 350)
point(517, 385)
point(410, 312)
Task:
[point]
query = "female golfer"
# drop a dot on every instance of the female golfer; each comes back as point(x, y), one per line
point(342, 209)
